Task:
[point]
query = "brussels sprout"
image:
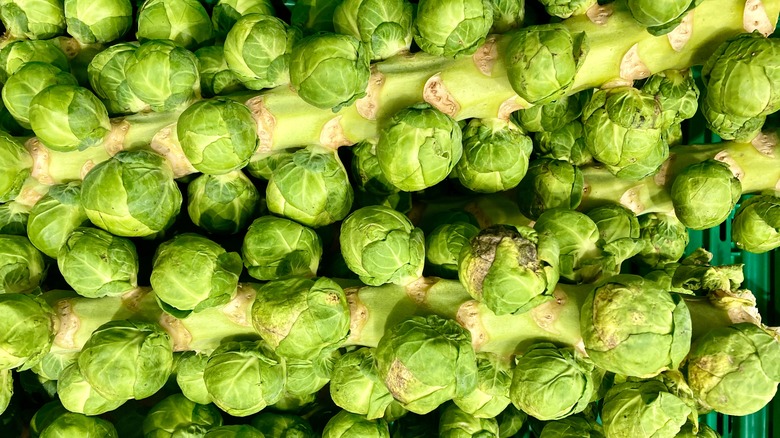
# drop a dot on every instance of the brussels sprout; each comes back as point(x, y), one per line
point(494, 377)
point(425, 361)
point(26, 330)
point(263, 164)
point(631, 326)
point(277, 248)
point(372, 187)
point(258, 50)
point(456, 423)
point(100, 21)
point(185, 22)
point(756, 225)
point(510, 421)
point(385, 27)
point(311, 188)
point(17, 53)
point(234, 431)
point(443, 246)
point(566, 144)
point(301, 318)
point(163, 76)
point(677, 93)
point(704, 194)
point(306, 377)
point(735, 370)
point(550, 383)
point(222, 204)
point(660, 18)
point(77, 395)
point(507, 15)
point(572, 427)
point(549, 184)
point(294, 403)
point(45, 415)
point(28, 81)
point(282, 425)
point(542, 61)
point(567, 8)
point(553, 115)
point(619, 229)
point(329, 71)
point(495, 156)
point(107, 76)
point(13, 218)
point(227, 12)
point(314, 16)
point(32, 19)
point(664, 237)
point(452, 28)
point(348, 425)
point(356, 387)
point(54, 216)
point(127, 359)
point(71, 424)
point(21, 265)
point(216, 77)
point(382, 246)
point(16, 163)
point(68, 118)
point(51, 365)
point(132, 194)
point(176, 415)
point(211, 272)
point(243, 377)
point(188, 368)
point(419, 147)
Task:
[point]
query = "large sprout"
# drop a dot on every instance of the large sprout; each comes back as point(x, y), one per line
point(68, 118)
point(348, 425)
point(548, 184)
point(660, 17)
point(22, 267)
point(222, 204)
point(17, 53)
point(176, 415)
point(705, 193)
point(108, 78)
point(98, 21)
point(216, 77)
point(356, 386)
point(227, 13)
point(26, 330)
point(26, 83)
point(32, 19)
point(77, 395)
point(553, 115)
point(452, 28)
point(676, 92)
point(133, 194)
point(385, 27)
point(185, 22)
point(277, 248)
point(756, 225)
point(443, 246)
point(16, 164)
point(305, 377)
point(54, 216)
point(80, 425)
point(188, 369)
point(162, 75)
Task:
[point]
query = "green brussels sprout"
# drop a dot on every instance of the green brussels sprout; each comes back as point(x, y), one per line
point(306, 377)
point(175, 415)
point(27, 330)
point(348, 425)
point(507, 15)
point(188, 369)
point(211, 272)
point(301, 318)
point(665, 239)
point(572, 427)
point(510, 421)
point(704, 194)
point(631, 326)
point(729, 126)
point(623, 129)
point(133, 194)
point(553, 115)
point(314, 15)
point(372, 187)
point(756, 224)
point(13, 218)
point(101, 21)
point(566, 144)
point(735, 370)
point(258, 50)
point(54, 216)
point(17, 53)
point(274, 424)
point(311, 188)
point(107, 76)
point(452, 28)
point(96, 263)
point(185, 22)
point(51, 365)
point(510, 269)
point(263, 164)
point(234, 431)
point(677, 93)
point(443, 246)
point(22, 267)
point(32, 19)
point(227, 12)
point(6, 389)
point(385, 27)
point(68, 118)
point(71, 424)
point(550, 383)
point(16, 163)
point(329, 71)
point(77, 395)
point(456, 423)
point(660, 18)
point(162, 75)
point(619, 229)
point(549, 184)
point(356, 387)
point(426, 361)
point(222, 204)
point(494, 378)
point(567, 8)
point(495, 156)
point(419, 147)
point(542, 60)
point(382, 246)
point(243, 377)
point(216, 77)
point(45, 415)
point(217, 136)
point(277, 248)
point(28, 81)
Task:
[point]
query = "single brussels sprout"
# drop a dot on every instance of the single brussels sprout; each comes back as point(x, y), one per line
point(227, 12)
point(495, 156)
point(348, 425)
point(107, 76)
point(26, 83)
point(216, 77)
point(735, 370)
point(222, 204)
point(188, 369)
point(176, 415)
point(32, 19)
point(677, 93)
point(211, 272)
point(45, 415)
point(566, 143)
point(356, 386)
point(664, 237)
point(27, 330)
point(234, 431)
point(306, 377)
point(22, 267)
point(567, 8)
point(553, 115)
point(68, 118)
point(258, 50)
point(17, 53)
point(510, 269)
point(456, 423)
point(185, 22)
point(507, 15)
point(729, 126)
point(133, 194)
point(382, 246)
point(77, 395)
point(163, 76)
point(243, 377)
point(452, 28)
point(329, 71)
point(274, 424)
point(660, 18)
point(372, 187)
point(549, 184)
point(756, 224)
point(443, 246)
point(510, 421)
point(16, 164)
point(619, 229)
point(71, 424)
point(100, 21)
point(385, 27)
point(217, 136)
point(311, 188)
point(419, 147)
point(54, 216)
point(494, 378)
point(301, 318)
point(13, 218)
point(572, 427)
point(277, 248)
point(550, 383)
point(263, 164)
point(426, 361)
point(535, 52)
point(631, 326)
point(704, 194)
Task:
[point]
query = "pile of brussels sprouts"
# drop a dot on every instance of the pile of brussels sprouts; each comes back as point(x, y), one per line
point(383, 218)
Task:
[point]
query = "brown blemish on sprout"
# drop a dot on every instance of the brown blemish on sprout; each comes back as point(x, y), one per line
point(368, 105)
point(358, 312)
point(115, 140)
point(632, 67)
point(418, 290)
point(266, 123)
point(662, 177)
point(548, 312)
point(41, 160)
point(736, 170)
point(179, 334)
point(509, 106)
point(599, 14)
point(680, 35)
point(88, 165)
point(397, 380)
point(766, 143)
point(332, 134)
point(240, 305)
point(754, 17)
point(166, 143)
point(468, 317)
point(436, 94)
point(630, 200)
point(132, 298)
point(67, 325)
point(486, 56)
